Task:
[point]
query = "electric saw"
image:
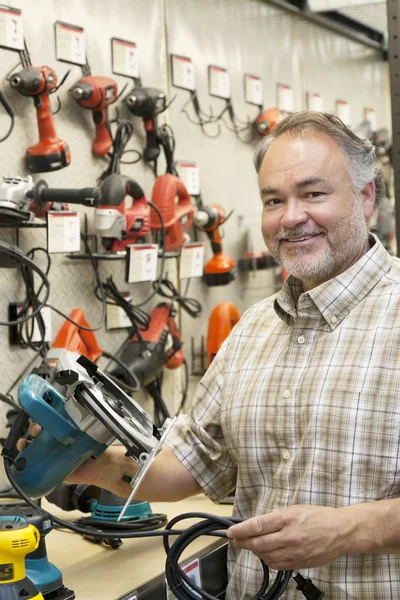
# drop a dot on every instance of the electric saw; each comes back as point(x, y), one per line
point(81, 415)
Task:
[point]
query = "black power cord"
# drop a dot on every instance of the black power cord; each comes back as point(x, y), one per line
point(166, 289)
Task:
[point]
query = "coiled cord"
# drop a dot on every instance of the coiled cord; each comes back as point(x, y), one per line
point(166, 289)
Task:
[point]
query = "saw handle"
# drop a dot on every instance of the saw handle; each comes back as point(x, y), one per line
point(103, 141)
point(152, 150)
point(42, 194)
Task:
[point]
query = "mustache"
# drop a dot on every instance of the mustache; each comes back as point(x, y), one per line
point(298, 232)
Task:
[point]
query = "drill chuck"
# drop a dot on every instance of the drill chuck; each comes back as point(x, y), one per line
point(131, 100)
point(26, 81)
point(82, 91)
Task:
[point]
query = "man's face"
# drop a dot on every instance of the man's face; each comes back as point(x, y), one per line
point(312, 222)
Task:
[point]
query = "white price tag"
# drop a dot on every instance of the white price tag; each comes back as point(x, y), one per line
point(183, 72)
point(11, 31)
point(63, 232)
point(370, 115)
point(191, 261)
point(190, 175)
point(315, 102)
point(142, 262)
point(343, 111)
point(285, 100)
point(253, 90)
point(124, 58)
point(192, 570)
point(70, 43)
point(46, 314)
point(218, 81)
point(116, 316)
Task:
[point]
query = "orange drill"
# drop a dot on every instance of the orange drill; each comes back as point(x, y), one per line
point(97, 93)
point(50, 153)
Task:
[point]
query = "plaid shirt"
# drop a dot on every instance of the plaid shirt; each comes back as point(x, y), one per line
point(302, 406)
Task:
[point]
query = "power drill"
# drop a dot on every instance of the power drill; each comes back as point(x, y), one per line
point(177, 215)
point(221, 269)
point(265, 122)
point(97, 93)
point(17, 539)
point(50, 153)
point(147, 103)
point(42, 573)
point(117, 223)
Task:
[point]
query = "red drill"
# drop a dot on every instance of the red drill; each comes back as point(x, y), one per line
point(50, 153)
point(97, 93)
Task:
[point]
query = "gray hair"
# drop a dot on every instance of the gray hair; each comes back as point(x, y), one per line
point(359, 154)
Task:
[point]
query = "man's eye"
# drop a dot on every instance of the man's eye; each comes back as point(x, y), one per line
point(273, 202)
point(315, 194)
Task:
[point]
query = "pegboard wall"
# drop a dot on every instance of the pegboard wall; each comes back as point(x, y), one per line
point(244, 36)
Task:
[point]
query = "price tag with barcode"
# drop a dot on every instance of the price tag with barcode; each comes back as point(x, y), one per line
point(141, 262)
point(63, 232)
point(218, 82)
point(11, 31)
point(116, 316)
point(124, 58)
point(183, 72)
point(189, 172)
point(285, 100)
point(70, 43)
point(192, 570)
point(191, 261)
point(315, 102)
point(343, 111)
point(253, 90)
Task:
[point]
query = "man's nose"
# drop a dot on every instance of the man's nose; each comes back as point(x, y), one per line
point(293, 213)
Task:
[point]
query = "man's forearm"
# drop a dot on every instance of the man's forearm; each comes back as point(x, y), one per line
point(166, 481)
point(374, 527)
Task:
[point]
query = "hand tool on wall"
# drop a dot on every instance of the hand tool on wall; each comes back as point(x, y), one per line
point(21, 199)
point(44, 575)
point(223, 319)
point(121, 222)
point(17, 539)
point(220, 270)
point(267, 120)
point(177, 215)
point(147, 103)
point(96, 93)
point(50, 153)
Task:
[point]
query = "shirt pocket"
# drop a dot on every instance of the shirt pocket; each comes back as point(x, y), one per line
point(357, 445)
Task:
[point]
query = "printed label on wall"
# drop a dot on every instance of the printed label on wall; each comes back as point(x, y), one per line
point(189, 172)
point(183, 72)
point(11, 31)
point(70, 43)
point(315, 102)
point(253, 90)
point(46, 315)
point(218, 82)
point(63, 232)
point(116, 316)
point(285, 100)
point(141, 262)
point(343, 111)
point(191, 261)
point(192, 570)
point(124, 58)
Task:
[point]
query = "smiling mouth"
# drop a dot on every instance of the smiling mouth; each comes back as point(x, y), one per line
point(300, 239)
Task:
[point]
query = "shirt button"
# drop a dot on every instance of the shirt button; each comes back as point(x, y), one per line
point(286, 393)
point(286, 454)
point(301, 339)
point(333, 319)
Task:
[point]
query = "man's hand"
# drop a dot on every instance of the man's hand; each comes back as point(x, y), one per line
point(296, 537)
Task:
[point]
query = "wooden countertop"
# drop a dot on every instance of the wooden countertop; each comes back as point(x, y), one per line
point(96, 572)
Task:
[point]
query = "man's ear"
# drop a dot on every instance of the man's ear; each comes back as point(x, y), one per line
point(368, 197)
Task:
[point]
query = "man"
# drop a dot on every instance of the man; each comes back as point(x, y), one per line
point(300, 409)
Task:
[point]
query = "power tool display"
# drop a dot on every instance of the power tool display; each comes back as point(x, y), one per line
point(50, 153)
point(96, 93)
point(92, 413)
point(223, 319)
point(147, 103)
point(147, 352)
point(17, 539)
point(40, 571)
point(265, 122)
point(123, 217)
point(220, 270)
point(21, 199)
point(177, 214)
point(254, 261)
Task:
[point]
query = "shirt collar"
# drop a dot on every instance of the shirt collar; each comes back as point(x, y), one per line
point(335, 298)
